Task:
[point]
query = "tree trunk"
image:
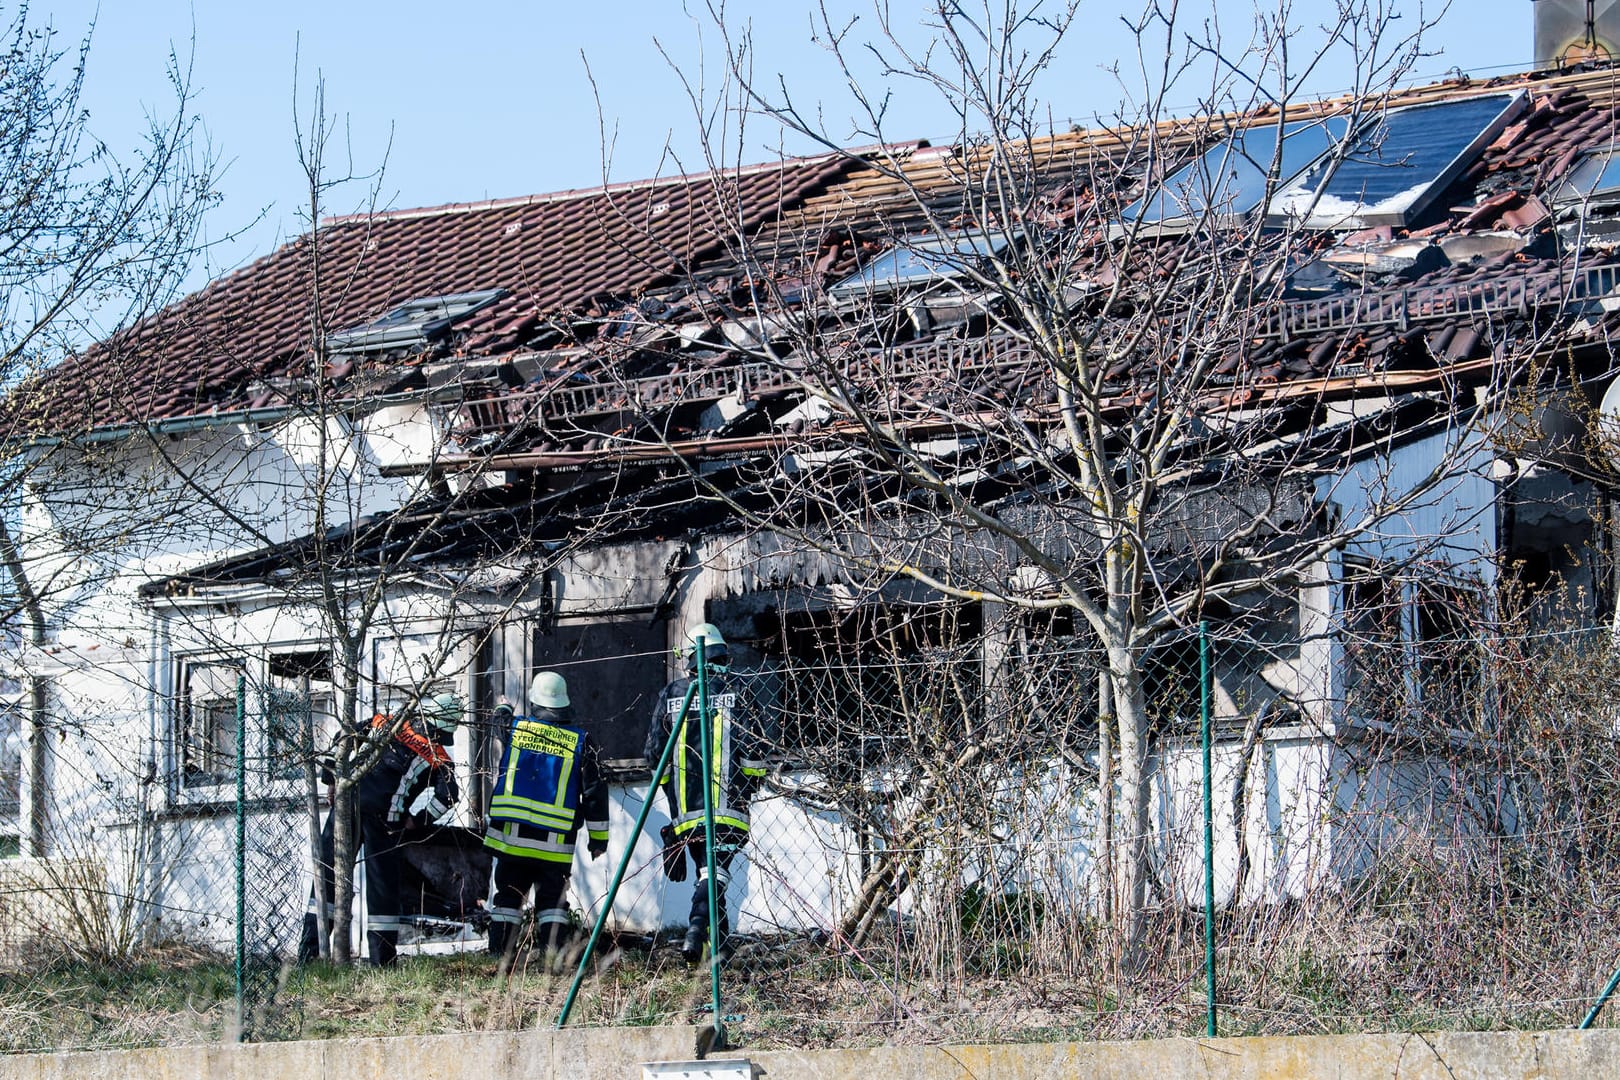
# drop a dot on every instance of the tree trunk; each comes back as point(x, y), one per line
point(349, 764)
point(312, 820)
point(1105, 802)
point(1240, 798)
point(344, 845)
point(884, 882)
point(38, 742)
point(1135, 789)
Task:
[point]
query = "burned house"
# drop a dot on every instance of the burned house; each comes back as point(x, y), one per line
point(820, 404)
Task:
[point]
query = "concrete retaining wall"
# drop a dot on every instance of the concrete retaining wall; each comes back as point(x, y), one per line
point(616, 1054)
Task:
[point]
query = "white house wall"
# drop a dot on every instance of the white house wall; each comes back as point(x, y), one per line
point(1286, 792)
point(796, 873)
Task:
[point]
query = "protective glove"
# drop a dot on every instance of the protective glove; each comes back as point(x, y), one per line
point(674, 854)
point(596, 847)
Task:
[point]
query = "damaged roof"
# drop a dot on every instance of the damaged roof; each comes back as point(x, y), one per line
point(560, 323)
point(654, 269)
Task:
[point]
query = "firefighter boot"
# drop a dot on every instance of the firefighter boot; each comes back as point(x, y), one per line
point(497, 938)
point(697, 933)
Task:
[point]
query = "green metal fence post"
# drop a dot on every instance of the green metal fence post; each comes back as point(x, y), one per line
point(241, 857)
point(705, 729)
point(1597, 1006)
point(1209, 825)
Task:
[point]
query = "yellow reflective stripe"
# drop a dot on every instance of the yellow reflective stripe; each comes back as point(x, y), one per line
point(512, 757)
point(687, 824)
point(535, 813)
point(562, 781)
point(681, 766)
point(714, 759)
point(508, 841)
point(528, 852)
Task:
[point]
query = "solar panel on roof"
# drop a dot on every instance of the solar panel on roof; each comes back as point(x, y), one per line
point(1399, 163)
point(920, 260)
point(1230, 178)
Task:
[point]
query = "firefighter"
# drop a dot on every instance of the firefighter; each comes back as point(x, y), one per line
point(413, 762)
point(736, 770)
point(548, 784)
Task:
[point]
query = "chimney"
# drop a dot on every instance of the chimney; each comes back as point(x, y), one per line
point(1570, 32)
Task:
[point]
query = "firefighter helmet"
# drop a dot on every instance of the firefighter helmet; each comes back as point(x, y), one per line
point(714, 646)
point(442, 713)
point(548, 691)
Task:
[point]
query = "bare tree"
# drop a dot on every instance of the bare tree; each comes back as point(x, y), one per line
point(92, 238)
point(1061, 388)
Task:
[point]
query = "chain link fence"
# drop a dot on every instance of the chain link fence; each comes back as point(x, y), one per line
point(935, 855)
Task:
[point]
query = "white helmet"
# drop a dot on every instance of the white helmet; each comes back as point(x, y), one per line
point(442, 712)
point(714, 646)
point(548, 691)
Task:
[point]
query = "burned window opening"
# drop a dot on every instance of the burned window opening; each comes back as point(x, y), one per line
point(11, 773)
point(615, 669)
point(1050, 676)
point(1412, 650)
point(863, 686)
point(300, 710)
point(1375, 652)
point(1556, 563)
point(1449, 657)
point(206, 723)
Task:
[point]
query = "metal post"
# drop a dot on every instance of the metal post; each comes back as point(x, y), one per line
point(241, 856)
point(1209, 826)
point(1597, 1007)
point(706, 731)
point(624, 860)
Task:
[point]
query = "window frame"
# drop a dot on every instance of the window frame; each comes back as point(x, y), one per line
point(261, 685)
point(1231, 158)
point(1420, 621)
point(1568, 198)
point(13, 750)
point(955, 253)
point(1320, 210)
point(185, 707)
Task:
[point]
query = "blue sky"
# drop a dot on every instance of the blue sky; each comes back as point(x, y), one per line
point(492, 99)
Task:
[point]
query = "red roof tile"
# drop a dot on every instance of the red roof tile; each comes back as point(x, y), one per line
point(551, 253)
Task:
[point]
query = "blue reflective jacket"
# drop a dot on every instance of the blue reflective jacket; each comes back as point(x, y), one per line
point(549, 775)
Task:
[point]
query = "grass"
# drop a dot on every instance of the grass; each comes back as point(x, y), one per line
point(784, 996)
point(172, 995)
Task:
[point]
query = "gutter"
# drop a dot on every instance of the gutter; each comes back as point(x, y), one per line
point(177, 426)
point(181, 425)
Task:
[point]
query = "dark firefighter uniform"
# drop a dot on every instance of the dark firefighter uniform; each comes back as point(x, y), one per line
point(737, 766)
point(411, 763)
point(549, 783)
